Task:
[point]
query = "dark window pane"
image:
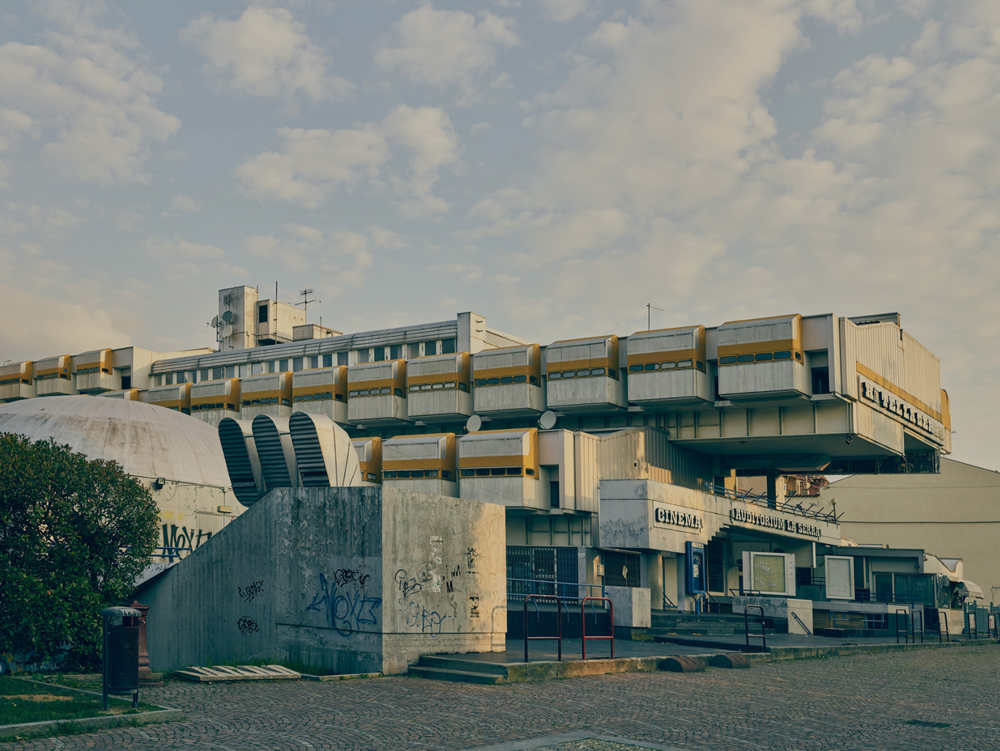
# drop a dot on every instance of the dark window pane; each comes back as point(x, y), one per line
point(327, 361)
point(636, 368)
point(744, 358)
point(448, 347)
point(727, 360)
point(763, 356)
point(782, 355)
point(507, 379)
point(396, 352)
point(520, 379)
point(467, 473)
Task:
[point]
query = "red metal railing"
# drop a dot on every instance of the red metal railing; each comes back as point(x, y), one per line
point(583, 625)
point(558, 636)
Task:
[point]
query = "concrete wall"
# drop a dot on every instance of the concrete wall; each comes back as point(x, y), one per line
point(345, 579)
point(953, 514)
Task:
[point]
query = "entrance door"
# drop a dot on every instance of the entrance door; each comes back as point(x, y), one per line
point(883, 587)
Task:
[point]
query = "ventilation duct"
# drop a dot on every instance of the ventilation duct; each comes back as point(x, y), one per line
point(240, 451)
point(324, 452)
point(274, 447)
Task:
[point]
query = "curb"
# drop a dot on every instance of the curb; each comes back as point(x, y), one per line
point(344, 677)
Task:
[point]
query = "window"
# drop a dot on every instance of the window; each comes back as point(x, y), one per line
point(412, 351)
point(342, 358)
point(533, 379)
point(448, 347)
point(262, 314)
point(414, 388)
point(668, 365)
point(493, 381)
point(648, 366)
point(798, 356)
point(206, 375)
point(353, 393)
point(507, 379)
point(727, 360)
point(685, 364)
point(296, 364)
point(430, 473)
point(480, 382)
point(449, 385)
point(520, 379)
point(396, 352)
point(430, 348)
point(362, 392)
point(529, 471)
point(314, 362)
point(612, 373)
point(168, 379)
point(463, 386)
point(282, 366)
point(482, 472)
point(389, 475)
point(744, 358)
point(498, 471)
point(327, 361)
point(569, 374)
point(514, 471)
point(782, 355)
point(230, 371)
point(636, 368)
point(397, 392)
point(439, 386)
point(379, 354)
point(126, 382)
point(701, 366)
point(555, 376)
point(445, 474)
point(821, 380)
point(467, 473)
point(763, 356)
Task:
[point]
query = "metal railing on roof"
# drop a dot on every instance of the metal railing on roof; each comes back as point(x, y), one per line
point(763, 501)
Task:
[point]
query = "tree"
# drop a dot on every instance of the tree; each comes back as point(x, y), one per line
point(74, 536)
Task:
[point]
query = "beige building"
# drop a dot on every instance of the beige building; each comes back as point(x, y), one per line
point(954, 514)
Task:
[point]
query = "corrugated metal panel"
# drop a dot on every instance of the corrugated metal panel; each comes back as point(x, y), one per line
point(275, 451)
point(211, 388)
point(238, 447)
point(324, 455)
point(849, 357)
point(418, 447)
point(646, 453)
point(310, 347)
point(923, 373)
point(879, 348)
point(317, 377)
point(270, 382)
point(587, 478)
point(377, 371)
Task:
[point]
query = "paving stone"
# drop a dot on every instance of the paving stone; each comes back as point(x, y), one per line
point(906, 701)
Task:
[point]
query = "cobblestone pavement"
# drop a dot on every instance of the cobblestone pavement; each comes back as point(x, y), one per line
point(844, 703)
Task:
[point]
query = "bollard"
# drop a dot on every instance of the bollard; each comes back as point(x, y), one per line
point(730, 660)
point(682, 665)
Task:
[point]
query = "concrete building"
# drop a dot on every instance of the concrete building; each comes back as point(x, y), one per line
point(954, 513)
point(616, 458)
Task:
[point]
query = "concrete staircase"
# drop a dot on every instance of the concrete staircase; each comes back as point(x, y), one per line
point(460, 671)
point(695, 624)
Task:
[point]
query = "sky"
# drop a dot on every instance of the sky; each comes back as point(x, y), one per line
point(553, 165)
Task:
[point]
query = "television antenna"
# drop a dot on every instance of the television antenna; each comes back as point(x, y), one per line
point(649, 315)
point(305, 301)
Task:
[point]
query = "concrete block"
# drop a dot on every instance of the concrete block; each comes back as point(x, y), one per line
point(632, 606)
point(730, 660)
point(682, 665)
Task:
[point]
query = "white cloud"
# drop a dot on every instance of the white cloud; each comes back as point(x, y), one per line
point(90, 85)
point(264, 53)
point(186, 204)
point(313, 164)
point(564, 10)
point(444, 48)
point(480, 128)
point(165, 249)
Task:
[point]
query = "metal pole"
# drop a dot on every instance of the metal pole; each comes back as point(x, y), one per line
point(104, 660)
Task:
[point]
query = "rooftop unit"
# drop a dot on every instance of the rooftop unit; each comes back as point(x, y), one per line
point(321, 391)
point(53, 377)
point(17, 381)
point(377, 393)
point(501, 466)
point(425, 463)
point(95, 372)
point(583, 375)
point(269, 394)
point(508, 382)
point(439, 388)
point(668, 369)
point(762, 359)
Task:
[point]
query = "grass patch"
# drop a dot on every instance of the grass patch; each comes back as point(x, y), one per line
point(22, 701)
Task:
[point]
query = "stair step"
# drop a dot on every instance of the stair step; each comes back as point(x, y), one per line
point(469, 666)
point(679, 631)
point(457, 676)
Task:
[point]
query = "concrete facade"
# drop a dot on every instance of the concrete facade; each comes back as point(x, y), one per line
point(350, 580)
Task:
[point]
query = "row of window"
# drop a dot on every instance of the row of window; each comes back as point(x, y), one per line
point(264, 401)
point(584, 373)
point(9, 381)
point(375, 392)
point(760, 357)
point(410, 474)
point(199, 407)
point(47, 376)
point(678, 365)
point(85, 371)
point(504, 380)
point(497, 472)
point(438, 386)
point(322, 397)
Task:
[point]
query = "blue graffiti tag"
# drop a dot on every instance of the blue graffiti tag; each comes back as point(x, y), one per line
point(345, 611)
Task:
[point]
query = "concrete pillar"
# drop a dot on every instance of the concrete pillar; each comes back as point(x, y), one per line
point(654, 573)
point(670, 578)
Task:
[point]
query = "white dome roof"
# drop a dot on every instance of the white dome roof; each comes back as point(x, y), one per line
point(148, 441)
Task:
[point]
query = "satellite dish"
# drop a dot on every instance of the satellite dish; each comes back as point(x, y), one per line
point(215, 322)
point(474, 424)
point(227, 331)
point(548, 420)
point(227, 316)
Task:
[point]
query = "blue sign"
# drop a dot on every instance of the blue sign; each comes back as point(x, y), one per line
point(694, 553)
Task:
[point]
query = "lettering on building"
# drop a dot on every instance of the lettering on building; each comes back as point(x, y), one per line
point(676, 518)
point(887, 401)
point(777, 523)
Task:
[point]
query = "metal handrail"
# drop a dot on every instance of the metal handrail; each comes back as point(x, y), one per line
point(667, 601)
point(906, 626)
point(796, 617)
point(557, 585)
point(583, 626)
point(744, 592)
point(763, 627)
point(168, 554)
point(557, 637)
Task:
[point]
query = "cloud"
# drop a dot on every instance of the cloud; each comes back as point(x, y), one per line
point(564, 10)
point(165, 249)
point(88, 93)
point(264, 53)
point(480, 128)
point(445, 48)
point(313, 164)
point(336, 259)
point(185, 203)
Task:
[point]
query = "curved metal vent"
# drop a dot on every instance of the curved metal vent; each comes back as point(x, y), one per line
point(324, 452)
point(274, 447)
point(240, 451)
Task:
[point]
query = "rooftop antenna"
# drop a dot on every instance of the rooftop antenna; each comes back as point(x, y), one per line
point(649, 315)
point(305, 301)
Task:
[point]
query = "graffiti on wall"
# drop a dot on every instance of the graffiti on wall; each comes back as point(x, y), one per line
point(177, 542)
point(345, 603)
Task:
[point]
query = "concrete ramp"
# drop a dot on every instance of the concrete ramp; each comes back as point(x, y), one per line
point(348, 580)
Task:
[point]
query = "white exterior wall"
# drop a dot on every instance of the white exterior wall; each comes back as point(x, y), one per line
point(764, 378)
point(511, 398)
point(590, 394)
point(437, 405)
point(682, 385)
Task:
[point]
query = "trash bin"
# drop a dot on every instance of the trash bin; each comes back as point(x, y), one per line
point(121, 653)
